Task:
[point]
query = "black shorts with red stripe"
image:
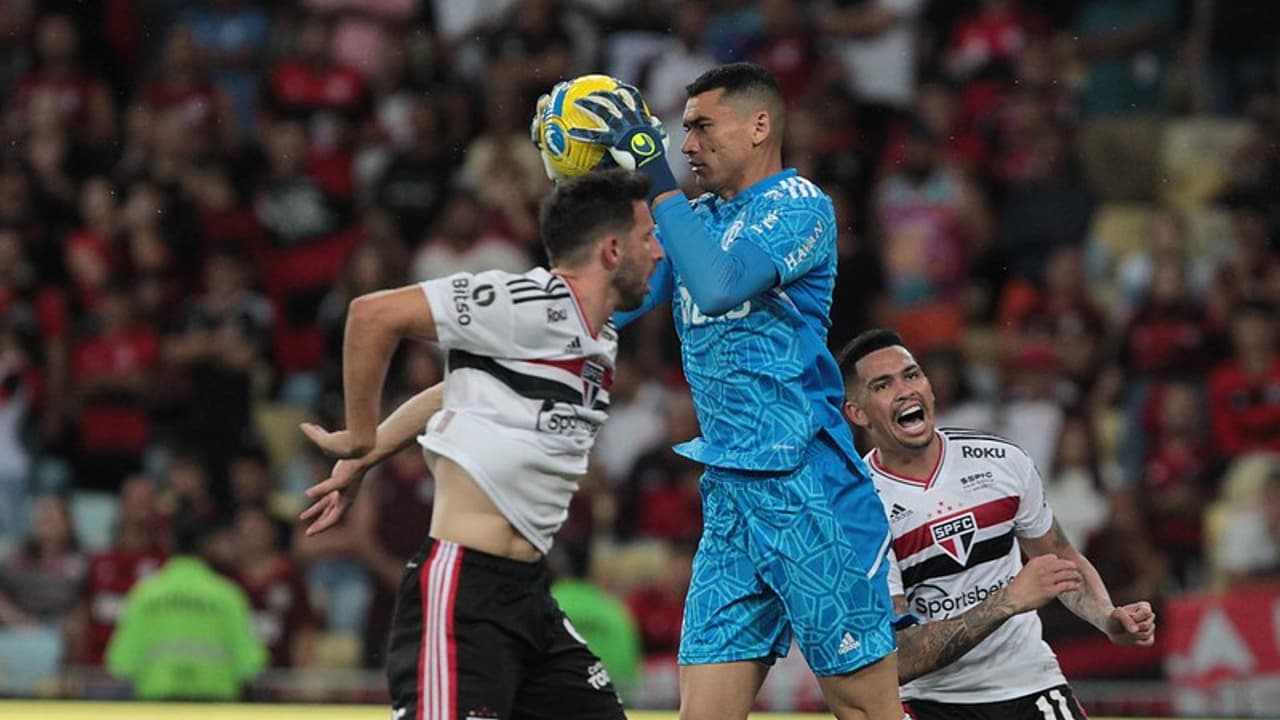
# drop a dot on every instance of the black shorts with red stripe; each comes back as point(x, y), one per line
point(479, 637)
point(1056, 703)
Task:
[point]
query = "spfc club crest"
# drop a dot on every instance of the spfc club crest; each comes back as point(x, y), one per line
point(593, 375)
point(955, 536)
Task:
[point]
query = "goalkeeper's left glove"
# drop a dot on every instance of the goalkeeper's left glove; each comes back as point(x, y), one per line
point(636, 139)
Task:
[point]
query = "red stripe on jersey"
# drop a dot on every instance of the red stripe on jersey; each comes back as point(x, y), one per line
point(571, 366)
point(578, 304)
point(575, 367)
point(986, 515)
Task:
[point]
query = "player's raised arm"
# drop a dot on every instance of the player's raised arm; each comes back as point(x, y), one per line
point(719, 277)
point(925, 647)
point(375, 324)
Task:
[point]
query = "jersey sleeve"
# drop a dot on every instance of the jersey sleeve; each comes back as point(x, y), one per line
point(894, 575)
point(474, 313)
point(798, 234)
point(1034, 518)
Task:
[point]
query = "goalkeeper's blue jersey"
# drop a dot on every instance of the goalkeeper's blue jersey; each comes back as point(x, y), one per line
point(763, 382)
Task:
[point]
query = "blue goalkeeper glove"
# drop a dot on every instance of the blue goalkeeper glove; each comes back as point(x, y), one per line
point(636, 139)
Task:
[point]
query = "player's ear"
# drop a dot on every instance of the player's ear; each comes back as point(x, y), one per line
point(611, 251)
point(855, 414)
point(761, 127)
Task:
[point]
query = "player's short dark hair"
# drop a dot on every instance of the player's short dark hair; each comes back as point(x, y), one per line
point(736, 79)
point(747, 80)
point(863, 345)
point(580, 209)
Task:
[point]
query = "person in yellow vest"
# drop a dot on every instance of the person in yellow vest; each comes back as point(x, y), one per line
point(185, 632)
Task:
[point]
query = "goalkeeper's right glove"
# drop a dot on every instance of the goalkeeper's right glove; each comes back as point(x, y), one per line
point(636, 139)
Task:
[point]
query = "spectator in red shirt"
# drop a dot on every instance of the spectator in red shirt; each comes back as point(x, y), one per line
point(1169, 333)
point(787, 47)
point(84, 100)
point(90, 254)
point(331, 100)
point(282, 614)
point(993, 36)
point(182, 84)
point(37, 315)
point(1175, 479)
point(113, 372)
point(1244, 392)
point(138, 550)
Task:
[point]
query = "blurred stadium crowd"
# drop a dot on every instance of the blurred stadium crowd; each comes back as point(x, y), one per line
point(1069, 208)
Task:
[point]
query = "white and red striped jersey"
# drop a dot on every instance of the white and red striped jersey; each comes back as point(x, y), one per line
point(527, 389)
point(954, 543)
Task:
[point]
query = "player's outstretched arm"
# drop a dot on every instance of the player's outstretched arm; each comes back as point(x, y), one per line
point(375, 324)
point(1132, 624)
point(929, 646)
point(332, 496)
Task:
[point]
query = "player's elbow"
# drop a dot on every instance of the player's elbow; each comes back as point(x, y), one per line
point(717, 302)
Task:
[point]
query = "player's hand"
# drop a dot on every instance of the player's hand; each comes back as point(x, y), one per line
point(636, 139)
point(1042, 579)
point(1132, 624)
point(335, 443)
point(535, 134)
point(332, 496)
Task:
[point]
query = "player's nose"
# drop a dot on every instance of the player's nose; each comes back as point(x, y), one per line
point(690, 145)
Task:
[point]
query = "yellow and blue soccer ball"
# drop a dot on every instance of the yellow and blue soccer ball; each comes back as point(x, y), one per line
point(557, 114)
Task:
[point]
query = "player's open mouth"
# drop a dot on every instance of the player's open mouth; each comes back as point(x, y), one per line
point(696, 167)
point(911, 418)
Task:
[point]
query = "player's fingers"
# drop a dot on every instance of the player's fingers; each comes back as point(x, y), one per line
point(1126, 622)
point(332, 515)
point(330, 484)
point(599, 137)
point(1141, 614)
point(599, 103)
point(312, 510)
point(324, 522)
point(315, 433)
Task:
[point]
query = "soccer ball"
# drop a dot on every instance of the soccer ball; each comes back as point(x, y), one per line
point(563, 155)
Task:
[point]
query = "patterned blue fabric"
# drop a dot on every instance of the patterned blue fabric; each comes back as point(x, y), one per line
point(782, 554)
point(762, 378)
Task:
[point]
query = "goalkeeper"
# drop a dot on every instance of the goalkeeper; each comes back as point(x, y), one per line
point(794, 536)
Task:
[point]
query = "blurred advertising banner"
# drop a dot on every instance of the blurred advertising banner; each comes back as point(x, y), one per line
point(1224, 652)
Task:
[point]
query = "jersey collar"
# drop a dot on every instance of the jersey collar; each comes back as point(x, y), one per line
point(755, 189)
point(924, 483)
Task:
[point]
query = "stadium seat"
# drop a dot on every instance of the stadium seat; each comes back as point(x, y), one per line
point(29, 659)
point(93, 518)
point(278, 424)
point(1121, 156)
point(1195, 157)
point(1118, 230)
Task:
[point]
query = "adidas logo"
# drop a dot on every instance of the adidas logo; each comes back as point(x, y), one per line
point(574, 346)
point(848, 644)
point(897, 512)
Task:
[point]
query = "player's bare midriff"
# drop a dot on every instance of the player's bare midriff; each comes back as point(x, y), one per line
point(463, 514)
